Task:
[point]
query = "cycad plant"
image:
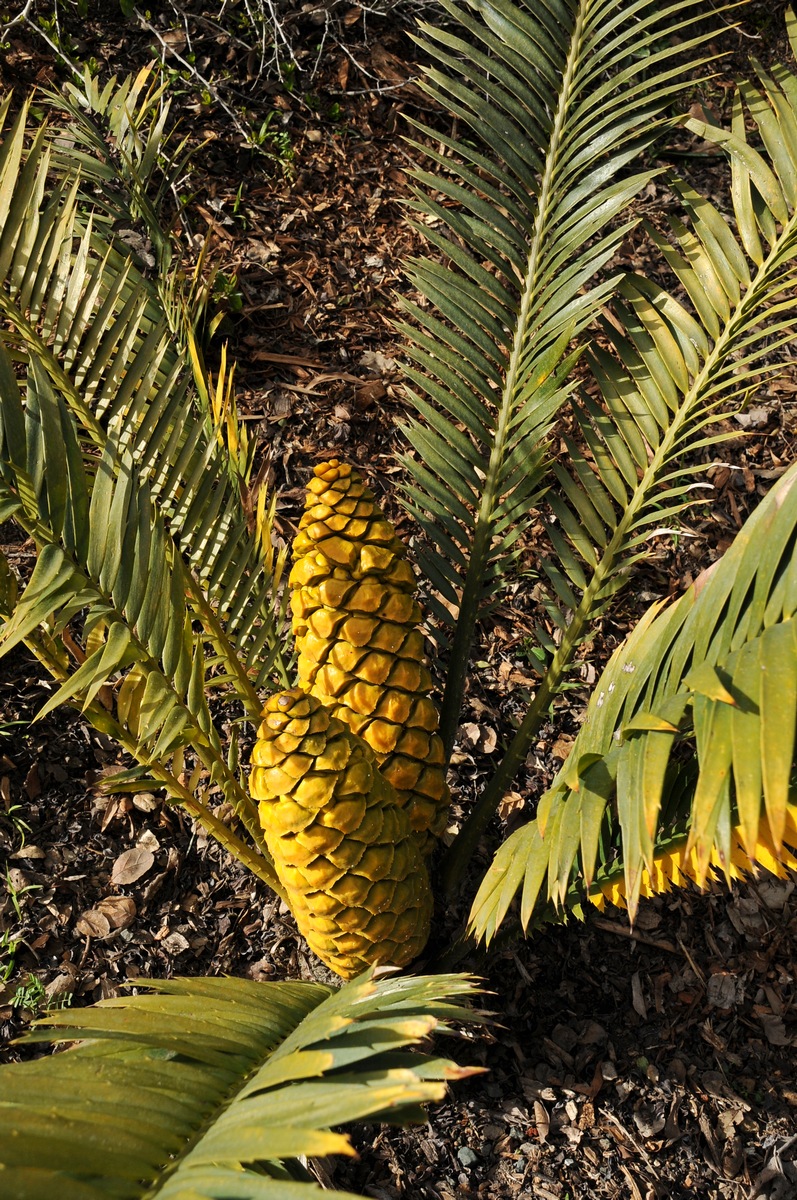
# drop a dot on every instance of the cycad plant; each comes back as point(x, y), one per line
point(157, 600)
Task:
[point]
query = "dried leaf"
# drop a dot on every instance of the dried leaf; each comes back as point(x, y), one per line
point(145, 802)
point(775, 1031)
point(16, 879)
point(63, 985)
point(478, 737)
point(724, 990)
point(174, 944)
point(120, 911)
point(488, 740)
point(562, 746)
point(637, 997)
point(753, 418)
point(649, 1118)
point(32, 784)
point(131, 865)
point(468, 734)
point(379, 363)
point(92, 923)
point(512, 803)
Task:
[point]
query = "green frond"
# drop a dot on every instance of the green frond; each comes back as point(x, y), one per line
point(106, 552)
point(101, 332)
point(713, 677)
point(213, 1088)
point(119, 142)
point(556, 100)
point(667, 380)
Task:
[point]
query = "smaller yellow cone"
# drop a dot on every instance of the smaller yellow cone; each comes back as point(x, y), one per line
point(341, 842)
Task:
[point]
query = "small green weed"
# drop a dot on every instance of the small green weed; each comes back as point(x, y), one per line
point(21, 827)
point(16, 893)
point(9, 944)
point(226, 293)
point(30, 996)
point(276, 141)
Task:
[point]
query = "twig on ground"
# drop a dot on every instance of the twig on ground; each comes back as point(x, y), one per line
point(23, 18)
point(634, 935)
point(206, 83)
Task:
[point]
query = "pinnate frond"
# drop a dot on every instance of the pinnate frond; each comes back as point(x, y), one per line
point(213, 1088)
point(106, 553)
point(666, 372)
point(715, 678)
point(557, 100)
point(98, 329)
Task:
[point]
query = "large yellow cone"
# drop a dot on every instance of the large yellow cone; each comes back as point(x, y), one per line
point(356, 621)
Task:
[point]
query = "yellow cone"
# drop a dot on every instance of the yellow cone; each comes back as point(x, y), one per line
point(355, 619)
point(341, 842)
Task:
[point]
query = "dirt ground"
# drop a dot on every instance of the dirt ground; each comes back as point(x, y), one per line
point(640, 1064)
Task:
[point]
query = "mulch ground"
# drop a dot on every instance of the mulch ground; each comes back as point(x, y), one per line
point(646, 1063)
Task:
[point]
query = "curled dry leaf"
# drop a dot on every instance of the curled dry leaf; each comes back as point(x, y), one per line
point(63, 985)
point(650, 1118)
point(724, 990)
point(145, 802)
point(377, 362)
point(93, 923)
point(775, 1030)
point(541, 1120)
point(29, 852)
point(119, 911)
point(477, 737)
point(32, 784)
point(131, 865)
point(512, 803)
point(638, 997)
point(753, 418)
point(175, 943)
point(562, 746)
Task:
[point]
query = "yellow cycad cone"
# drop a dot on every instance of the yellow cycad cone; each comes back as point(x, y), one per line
point(341, 842)
point(355, 619)
point(673, 867)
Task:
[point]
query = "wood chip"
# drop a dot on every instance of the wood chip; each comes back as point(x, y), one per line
point(541, 1120)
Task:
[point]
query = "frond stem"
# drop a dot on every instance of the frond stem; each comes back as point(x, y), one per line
point(244, 687)
point(208, 751)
